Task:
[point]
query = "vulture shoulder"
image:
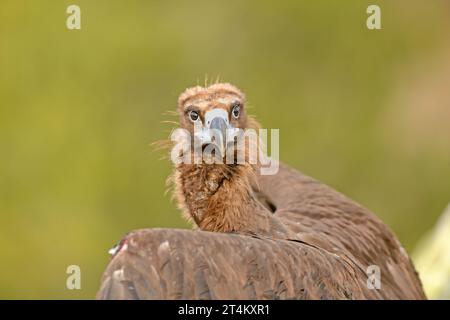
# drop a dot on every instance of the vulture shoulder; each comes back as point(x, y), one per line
point(185, 264)
point(321, 216)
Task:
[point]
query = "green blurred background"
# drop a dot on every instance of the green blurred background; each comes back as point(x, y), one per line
point(366, 112)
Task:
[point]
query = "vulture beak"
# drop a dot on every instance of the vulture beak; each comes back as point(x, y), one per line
point(216, 130)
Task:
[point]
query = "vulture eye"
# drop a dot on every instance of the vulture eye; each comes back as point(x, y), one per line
point(193, 115)
point(236, 110)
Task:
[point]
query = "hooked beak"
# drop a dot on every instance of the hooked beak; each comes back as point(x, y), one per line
point(220, 126)
point(215, 130)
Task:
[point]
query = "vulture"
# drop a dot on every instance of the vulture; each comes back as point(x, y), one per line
point(279, 236)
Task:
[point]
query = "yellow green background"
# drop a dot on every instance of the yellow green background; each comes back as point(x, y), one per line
point(366, 112)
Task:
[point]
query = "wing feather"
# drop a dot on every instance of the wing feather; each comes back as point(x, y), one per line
point(184, 264)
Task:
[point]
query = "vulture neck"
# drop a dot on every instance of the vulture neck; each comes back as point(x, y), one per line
point(219, 198)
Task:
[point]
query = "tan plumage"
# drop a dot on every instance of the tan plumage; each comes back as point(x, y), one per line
point(275, 236)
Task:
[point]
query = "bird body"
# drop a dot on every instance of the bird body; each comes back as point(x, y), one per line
point(260, 236)
point(182, 264)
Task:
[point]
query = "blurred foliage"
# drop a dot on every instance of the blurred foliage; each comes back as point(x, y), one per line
point(78, 110)
point(432, 257)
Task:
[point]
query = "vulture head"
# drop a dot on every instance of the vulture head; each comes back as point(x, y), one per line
point(213, 119)
point(213, 181)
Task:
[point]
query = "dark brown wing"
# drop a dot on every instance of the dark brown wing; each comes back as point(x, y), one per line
point(322, 216)
point(184, 264)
